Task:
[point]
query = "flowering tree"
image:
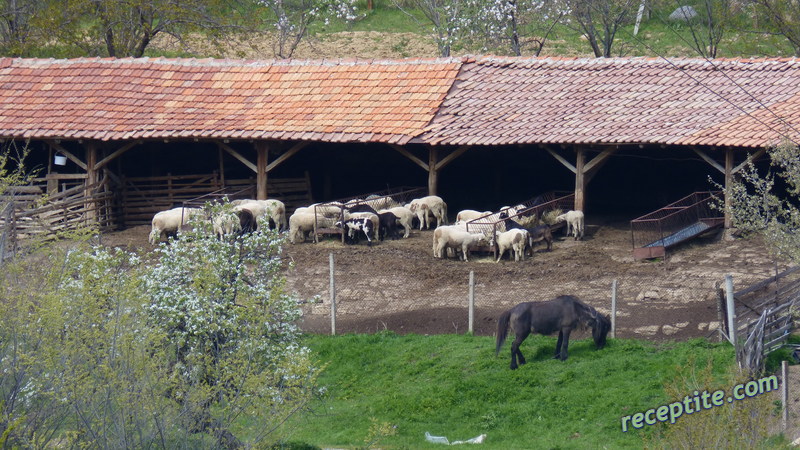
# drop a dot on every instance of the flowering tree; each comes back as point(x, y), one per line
point(768, 204)
point(293, 18)
point(220, 307)
point(102, 349)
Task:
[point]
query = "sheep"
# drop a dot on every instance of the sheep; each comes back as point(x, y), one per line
point(470, 214)
point(515, 239)
point(225, 223)
point(366, 215)
point(387, 225)
point(455, 237)
point(170, 221)
point(404, 217)
point(574, 221)
point(302, 223)
point(272, 210)
point(431, 204)
point(353, 226)
point(541, 233)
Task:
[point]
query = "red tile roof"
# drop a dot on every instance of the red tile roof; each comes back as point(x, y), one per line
point(608, 101)
point(108, 99)
point(484, 101)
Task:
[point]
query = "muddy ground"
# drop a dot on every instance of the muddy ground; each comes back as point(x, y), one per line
point(398, 285)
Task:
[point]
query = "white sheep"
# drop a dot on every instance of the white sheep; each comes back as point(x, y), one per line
point(404, 218)
point(430, 205)
point(270, 209)
point(515, 239)
point(455, 237)
point(225, 223)
point(366, 215)
point(470, 214)
point(304, 222)
point(170, 221)
point(574, 221)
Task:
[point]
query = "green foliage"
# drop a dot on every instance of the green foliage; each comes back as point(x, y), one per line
point(760, 205)
point(454, 386)
point(98, 349)
point(740, 424)
point(13, 171)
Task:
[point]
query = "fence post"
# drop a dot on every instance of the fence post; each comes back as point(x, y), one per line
point(614, 309)
point(731, 307)
point(785, 393)
point(720, 311)
point(471, 301)
point(333, 297)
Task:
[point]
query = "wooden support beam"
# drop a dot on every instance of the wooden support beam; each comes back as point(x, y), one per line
point(449, 158)
point(562, 160)
point(92, 177)
point(289, 153)
point(728, 185)
point(580, 181)
point(261, 174)
point(69, 155)
point(709, 160)
point(594, 165)
point(116, 154)
point(750, 158)
point(238, 156)
point(410, 156)
point(433, 174)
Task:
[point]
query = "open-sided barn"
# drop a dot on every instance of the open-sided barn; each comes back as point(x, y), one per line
point(657, 128)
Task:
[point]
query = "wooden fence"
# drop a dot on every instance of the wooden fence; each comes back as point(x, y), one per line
point(764, 317)
point(142, 197)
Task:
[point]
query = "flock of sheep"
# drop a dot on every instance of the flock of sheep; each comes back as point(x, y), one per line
point(376, 218)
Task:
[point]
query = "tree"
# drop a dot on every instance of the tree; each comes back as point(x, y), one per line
point(768, 204)
point(15, 26)
point(513, 26)
point(292, 19)
point(112, 351)
point(125, 28)
point(446, 18)
point(599, 21)
point(707, 33)
point(785, 16)
point(229, 331)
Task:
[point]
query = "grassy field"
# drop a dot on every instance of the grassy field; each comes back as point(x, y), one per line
point(454, 386)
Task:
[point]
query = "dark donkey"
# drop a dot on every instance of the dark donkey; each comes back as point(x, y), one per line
point(562, 314)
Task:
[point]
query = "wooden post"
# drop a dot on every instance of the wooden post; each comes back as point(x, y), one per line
point(433, 173)
point(221, 166)
point(728, 185)
point(614, 309)
point(720, 312)
point(731, 307)
point(333, 298)
point(261, 170)
point(471, 301)
point(91, 180)
point(785, 393)
point(580, 183)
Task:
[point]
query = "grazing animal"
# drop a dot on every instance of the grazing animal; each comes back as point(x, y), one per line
point(247, 221)
point(515, 239)
point(301, 223)
point(574, 221)
point(274, 211)
point(429, 205)
point(541, 233)
point(470, 214)
point(167, 223)
point(226, 223)
point(455, 237)
point(562, 314)
point(387, 225)
point(353, 228)
point(404, 218)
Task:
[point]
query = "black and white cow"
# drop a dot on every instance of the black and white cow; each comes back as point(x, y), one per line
point(354, 228)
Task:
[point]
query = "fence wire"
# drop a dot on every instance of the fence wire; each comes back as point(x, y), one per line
point(667, 303)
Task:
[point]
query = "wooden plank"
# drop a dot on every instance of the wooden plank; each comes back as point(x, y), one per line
point(289, 153)
point(238, 156)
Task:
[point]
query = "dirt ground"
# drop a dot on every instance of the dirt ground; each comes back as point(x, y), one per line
point(398, 285)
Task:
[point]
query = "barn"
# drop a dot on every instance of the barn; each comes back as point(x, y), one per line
point(627, 135)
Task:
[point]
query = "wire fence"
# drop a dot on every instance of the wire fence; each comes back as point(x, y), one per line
point(649, 301)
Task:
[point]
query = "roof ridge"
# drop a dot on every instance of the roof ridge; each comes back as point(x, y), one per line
point(227, 62)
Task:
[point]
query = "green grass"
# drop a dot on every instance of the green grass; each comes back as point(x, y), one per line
point(454, 386)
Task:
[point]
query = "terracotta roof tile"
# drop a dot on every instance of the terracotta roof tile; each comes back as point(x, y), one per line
point(567, 100)
point(161, 98)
